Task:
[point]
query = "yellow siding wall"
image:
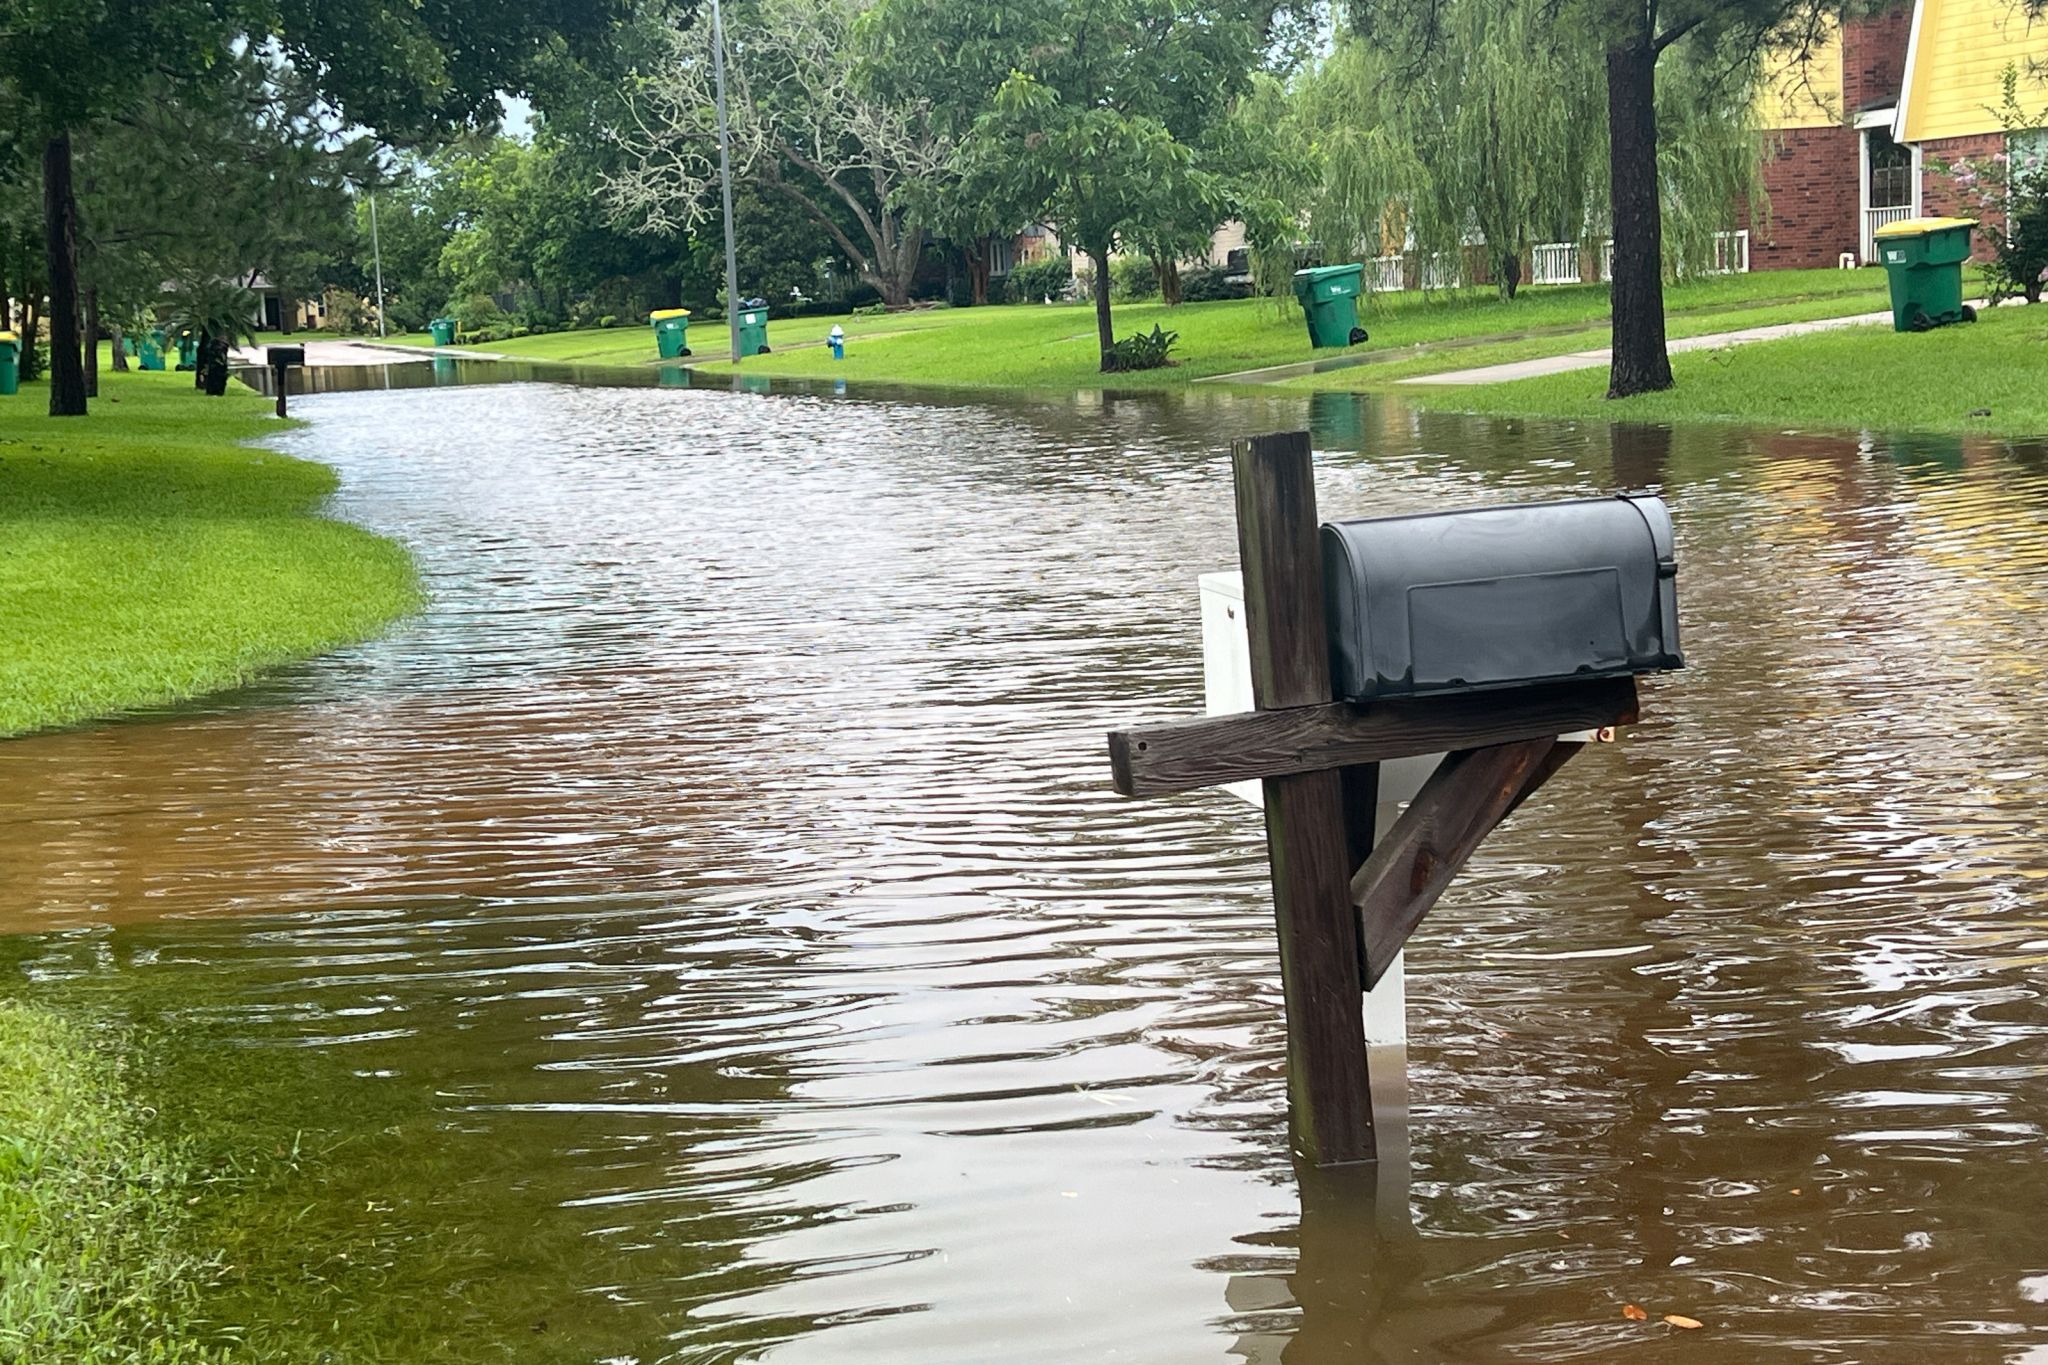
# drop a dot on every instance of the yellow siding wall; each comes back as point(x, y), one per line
point(1962, 47)
point(1804, 94)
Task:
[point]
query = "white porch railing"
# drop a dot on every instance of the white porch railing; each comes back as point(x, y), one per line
point(1731, 252)
point(1386, 274)
point(1554, 263)
point(1607, 259)
point(1440, 271)
point(1873, 219)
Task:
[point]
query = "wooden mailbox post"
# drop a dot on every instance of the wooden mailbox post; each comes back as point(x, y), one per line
point(1345, 902)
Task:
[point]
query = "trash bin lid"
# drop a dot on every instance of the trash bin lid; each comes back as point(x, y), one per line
point(1915, 227)
point(9, 336)
point(658, 314)
point(1323, 272)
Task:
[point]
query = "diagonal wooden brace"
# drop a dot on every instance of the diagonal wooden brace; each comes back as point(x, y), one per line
point(1470, 793)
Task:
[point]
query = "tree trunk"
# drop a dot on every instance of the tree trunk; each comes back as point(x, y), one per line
point(91, 345)
point(212, 375)
point(1167, 271)
point(6, 301)
point(977, 269)
point(1510, 269)
point(1640, 363)
point(1104, 333)
point(120, 349)
point(60, 244)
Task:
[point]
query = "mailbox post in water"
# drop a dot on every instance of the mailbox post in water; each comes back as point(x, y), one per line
point(1499, 639)
point(281, 360)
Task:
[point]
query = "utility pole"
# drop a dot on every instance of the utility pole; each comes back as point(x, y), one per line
point(732, 270)
point(377, 254)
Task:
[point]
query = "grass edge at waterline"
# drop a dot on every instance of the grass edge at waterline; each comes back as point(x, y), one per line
point(148, 555)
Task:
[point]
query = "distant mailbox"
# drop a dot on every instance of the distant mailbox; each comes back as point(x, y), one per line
point(281, 356)
point(1500, 596)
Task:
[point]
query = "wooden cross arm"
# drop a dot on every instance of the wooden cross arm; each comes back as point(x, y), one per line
point(1182, 755)
point(1471, 791)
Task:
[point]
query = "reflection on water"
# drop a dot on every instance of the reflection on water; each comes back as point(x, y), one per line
point(729, 849)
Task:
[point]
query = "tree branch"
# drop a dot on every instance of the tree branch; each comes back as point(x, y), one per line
point(1675, 32)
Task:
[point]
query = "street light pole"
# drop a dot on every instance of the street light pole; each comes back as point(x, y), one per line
point(377, 254)
point(732, 270)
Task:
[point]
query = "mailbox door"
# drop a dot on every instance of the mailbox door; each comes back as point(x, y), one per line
point(1500, 597)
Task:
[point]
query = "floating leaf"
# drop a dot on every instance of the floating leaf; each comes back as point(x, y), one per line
point(1635, 1312)
point(1680, 1320)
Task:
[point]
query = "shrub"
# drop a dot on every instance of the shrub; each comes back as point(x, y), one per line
point(475, 312)
point(1208, 283)
point(608, 320)
point(2021, 266)
point(2008, 191)
point(1143, 351)
point(1049, 277)
point(1132, 278)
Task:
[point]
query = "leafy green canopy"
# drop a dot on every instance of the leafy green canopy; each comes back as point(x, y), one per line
point(1106, 122)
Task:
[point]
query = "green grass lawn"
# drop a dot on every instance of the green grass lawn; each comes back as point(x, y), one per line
point(96, 1265)
point(1039, 346)
point(147, 557)
point(1853, 378)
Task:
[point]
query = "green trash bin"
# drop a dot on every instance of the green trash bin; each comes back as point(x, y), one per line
point(1924, 259)
point(443, 330)
point(1329, 299)
point(671, 331)
point(188, 351)
point(753, 331)
point(10, 363)
point(151, 356)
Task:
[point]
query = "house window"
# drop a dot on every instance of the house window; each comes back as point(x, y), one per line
point(1000, 257)
point(1891, 172)
point(2028, 150)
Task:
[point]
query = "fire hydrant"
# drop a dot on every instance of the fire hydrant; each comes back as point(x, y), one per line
point(836, 339)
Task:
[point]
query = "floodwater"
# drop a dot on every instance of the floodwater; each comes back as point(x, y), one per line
point(724, 868)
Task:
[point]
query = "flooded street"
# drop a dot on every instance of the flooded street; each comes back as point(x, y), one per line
point(716, 938)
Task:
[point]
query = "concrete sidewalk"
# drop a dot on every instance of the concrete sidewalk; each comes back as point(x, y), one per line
point(1588, 360)
point(352, 351)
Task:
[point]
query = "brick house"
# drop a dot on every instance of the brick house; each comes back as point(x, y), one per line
point(1858, 132)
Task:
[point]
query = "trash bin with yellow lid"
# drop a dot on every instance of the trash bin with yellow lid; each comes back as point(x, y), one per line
point(1924, 259)
point(671, 331)
point(10, 363)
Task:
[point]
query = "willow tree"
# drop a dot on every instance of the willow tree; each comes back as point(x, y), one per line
point(1489, 134)
point(1721, 42)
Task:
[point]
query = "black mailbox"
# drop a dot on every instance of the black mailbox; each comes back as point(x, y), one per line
point(281, 356)
point(1500, 597)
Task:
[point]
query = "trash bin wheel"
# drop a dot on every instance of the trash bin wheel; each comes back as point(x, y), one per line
point(1919, 321)
point(685, 351)
point(1358, 335)
point(1969, 313)
point(763, 350)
